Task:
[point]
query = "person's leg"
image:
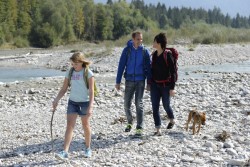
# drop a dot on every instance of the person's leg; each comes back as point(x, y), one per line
point(71, 121)
point(129, 93)
point(166, 104)
point(139, 92)
point(85, 118)
point(87, 129)
point(155, 100)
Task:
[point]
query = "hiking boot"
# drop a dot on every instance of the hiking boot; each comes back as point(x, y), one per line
point(170, 125)
point(128, 128)
point(157, 134)
point(138, 132)
point(63, 155)
point(87, 153)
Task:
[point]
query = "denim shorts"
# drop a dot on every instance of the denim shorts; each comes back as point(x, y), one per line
point(79, 108)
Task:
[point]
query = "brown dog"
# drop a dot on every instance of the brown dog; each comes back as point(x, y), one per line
point(198, 117)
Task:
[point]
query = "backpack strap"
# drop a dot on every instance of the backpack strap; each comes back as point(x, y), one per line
point(165, 54)
point(86, 76)
point(128, 53)
point(70, 75)
point(86, 70)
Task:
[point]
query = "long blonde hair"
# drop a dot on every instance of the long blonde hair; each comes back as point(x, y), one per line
point(79, 57)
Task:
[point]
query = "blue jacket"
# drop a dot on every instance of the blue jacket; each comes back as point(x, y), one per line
point(134, 63)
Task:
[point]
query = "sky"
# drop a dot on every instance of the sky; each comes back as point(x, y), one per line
point(232, 7)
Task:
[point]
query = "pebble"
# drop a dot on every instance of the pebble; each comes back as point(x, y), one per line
point(223, 96)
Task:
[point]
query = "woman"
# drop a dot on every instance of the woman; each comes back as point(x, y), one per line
point(162, 86)
point(80, 102)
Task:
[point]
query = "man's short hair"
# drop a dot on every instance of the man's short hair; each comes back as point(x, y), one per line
point(136, 33)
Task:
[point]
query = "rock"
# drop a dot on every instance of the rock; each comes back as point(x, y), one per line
point(211, 144)
point(223, 96)
point(187, 158)
point(231, 151)
point(216, 159)
point(228, 145)
point(237, 162)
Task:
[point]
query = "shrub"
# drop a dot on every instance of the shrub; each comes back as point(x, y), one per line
point(1, 41)
point(207, 40)
point(20, 42)
point(43, 36)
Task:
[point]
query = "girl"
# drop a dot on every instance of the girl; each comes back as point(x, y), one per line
point(80, 102)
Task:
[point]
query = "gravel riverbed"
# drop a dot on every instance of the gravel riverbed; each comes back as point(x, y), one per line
point(225, 97)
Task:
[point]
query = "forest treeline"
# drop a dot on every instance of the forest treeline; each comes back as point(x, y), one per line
point(46, 23)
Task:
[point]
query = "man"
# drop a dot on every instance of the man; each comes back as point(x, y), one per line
point(135, 63)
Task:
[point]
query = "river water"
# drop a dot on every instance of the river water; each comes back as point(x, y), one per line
point(200, 71)
point(20, 74)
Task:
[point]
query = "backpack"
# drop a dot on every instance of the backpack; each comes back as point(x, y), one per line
point(96, 91)
point(175, 55)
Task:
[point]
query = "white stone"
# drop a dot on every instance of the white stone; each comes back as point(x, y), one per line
point(217, 159)
point(238, 162)
point(187, 158)
point(211, 144)
point(239, 149)
point(204, 154)
point(231, 151)
point(228, 145)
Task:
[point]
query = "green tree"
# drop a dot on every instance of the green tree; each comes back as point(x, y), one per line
point(8, 18)
point(104, 23)
point(69, 35)
point(24, 19)
point(120, 12)
point(163, 21)
point(89, 11)
point(45, 36)
point(227, 21)
point(236, 21)
point(2, 11)
point(78, 18)
point(109, 2)
point(1, 36)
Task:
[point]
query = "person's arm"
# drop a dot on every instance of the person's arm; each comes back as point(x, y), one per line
point(121, 67)
point(148, 70)
point(148, 66)
point(61, 93)
point(91, 94)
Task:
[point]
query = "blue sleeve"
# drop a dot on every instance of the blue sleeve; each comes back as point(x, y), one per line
point(121, 67)
point(148, 66)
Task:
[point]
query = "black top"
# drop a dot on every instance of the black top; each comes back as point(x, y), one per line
point(163, 70)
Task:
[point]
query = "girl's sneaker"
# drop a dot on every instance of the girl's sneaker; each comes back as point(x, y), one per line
point(88, 153)
point(63, 155)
